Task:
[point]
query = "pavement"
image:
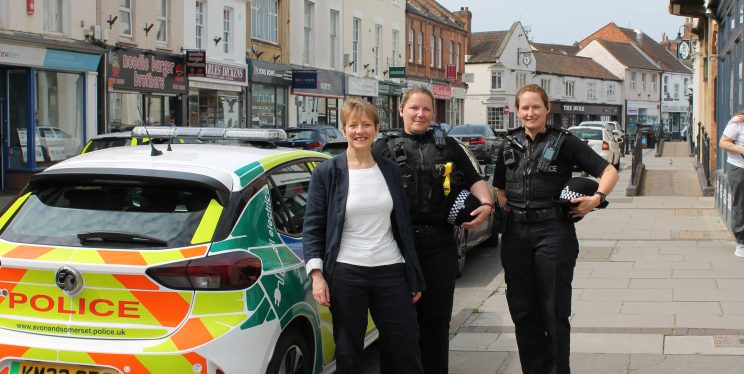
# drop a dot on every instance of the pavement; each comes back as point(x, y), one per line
point(657, 288)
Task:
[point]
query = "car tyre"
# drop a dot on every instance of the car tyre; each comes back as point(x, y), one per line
point(617, 165)
point(461, 243)
point(291, 355)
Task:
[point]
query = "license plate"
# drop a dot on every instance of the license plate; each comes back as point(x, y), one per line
point(28, 367)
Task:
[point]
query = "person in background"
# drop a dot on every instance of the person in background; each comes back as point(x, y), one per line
point(359, 248)
point(422, 157)
point(732, 141)
point(538, 244)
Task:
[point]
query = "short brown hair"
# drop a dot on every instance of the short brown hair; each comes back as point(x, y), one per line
point(414, 90)
point(532, 88)
point(355, 106)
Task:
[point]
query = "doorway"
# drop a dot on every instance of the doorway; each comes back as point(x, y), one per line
point(3, 140)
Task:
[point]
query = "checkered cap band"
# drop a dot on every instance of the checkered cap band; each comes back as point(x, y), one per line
point(568, 195)
point(457, 206)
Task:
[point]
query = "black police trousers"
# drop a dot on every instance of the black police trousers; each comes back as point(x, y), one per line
point(539, 260)
point(435, 246)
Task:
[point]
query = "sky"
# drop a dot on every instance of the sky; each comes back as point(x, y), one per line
point(567, 21)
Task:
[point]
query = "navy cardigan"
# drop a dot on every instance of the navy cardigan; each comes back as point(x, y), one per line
point(326, 211)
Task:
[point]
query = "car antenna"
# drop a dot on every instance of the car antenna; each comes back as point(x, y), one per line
point(173, 134)
point(153, 151)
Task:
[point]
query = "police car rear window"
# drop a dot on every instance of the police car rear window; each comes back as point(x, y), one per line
point(587, 134)
point(65, 215)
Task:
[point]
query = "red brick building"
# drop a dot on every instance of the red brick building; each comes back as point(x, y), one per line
point(437, 41)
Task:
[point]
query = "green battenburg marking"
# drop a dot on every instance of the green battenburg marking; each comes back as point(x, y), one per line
point(253, 297)
point(249, 172)
point(269, 258)
point(259, 316)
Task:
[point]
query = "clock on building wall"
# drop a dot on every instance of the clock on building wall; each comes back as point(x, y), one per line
point(683, 49)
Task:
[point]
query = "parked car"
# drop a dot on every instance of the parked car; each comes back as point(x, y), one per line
point(310, 138)
point(155, 134)
point(335, 147)
point(116, 261)
point(613, 126)
point(443, 126)
point(601, 141)
point(480, 139)
point(465, 240)
point(57, 144)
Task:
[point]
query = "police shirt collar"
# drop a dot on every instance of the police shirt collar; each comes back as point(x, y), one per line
point(416, 137)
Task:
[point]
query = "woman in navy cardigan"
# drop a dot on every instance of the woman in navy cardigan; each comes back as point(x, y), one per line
point(358, 244)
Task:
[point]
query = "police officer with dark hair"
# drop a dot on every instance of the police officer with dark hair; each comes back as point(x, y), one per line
point(539, 244)
point(425, 158)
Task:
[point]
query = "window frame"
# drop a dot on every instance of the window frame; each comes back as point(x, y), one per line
point(441, 52)
point(569, 88)
point(378, 49)
point(228, 23)
point(495, 118)
point(200, 29)
point(545, 84)
point(591, 90)
point(308, 26)
point(335, 17)
point(633, 77)
point(159, 19)
point(498, 76)
point(127, 10)
point(410, 46)
point(61, 16)
point(420, 48)
point(432, 41)
point(394, 47)
point(356, 43)
point(265, 20)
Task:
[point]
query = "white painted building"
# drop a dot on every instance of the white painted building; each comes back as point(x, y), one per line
point(641, 76)
point(500, 62)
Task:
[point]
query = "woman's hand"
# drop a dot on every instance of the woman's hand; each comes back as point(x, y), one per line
point(481, 215)
point(320, 289)
point(584, 205)
point(416, 296)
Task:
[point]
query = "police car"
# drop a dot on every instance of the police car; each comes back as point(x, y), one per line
point(144, 260)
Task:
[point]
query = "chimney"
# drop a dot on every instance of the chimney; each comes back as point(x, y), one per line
point(466, 17)
point(639, 36)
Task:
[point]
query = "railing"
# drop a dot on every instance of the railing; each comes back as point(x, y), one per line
point(637, 158)
point(690, 139)
point(705, 143)
point(659, 135)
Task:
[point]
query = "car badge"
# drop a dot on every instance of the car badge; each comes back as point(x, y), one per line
point(69, 280)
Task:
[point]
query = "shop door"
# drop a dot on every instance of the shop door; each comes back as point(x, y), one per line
point(674, 121)
point(3, 139)
point(15, 130)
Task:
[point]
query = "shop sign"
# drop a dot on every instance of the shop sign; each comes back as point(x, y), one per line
point(226, 72)
point(451, 72)
point(196, 63)
point(305, 79)
point(573, 108)
point(358, 86)
point(632, 111)
point(71, 60)
point(137, 70)
point(441, 92)
point(389, 89)
point(459, 92)
point(329, 84)
point(19, 55)
point(397, 72)
point(267, 72)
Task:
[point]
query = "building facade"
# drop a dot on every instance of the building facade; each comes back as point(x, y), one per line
point(48, 84)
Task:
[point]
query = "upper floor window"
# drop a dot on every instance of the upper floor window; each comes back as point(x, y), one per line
point(308, 21)
point(395, 47)
point(431, 50)
point(439, 52)
point(200, 25)
point(521, 79)
point(591, 90)
point(452, 52)
point(676, 91)
point(496, 80)
point(378, 49)
point(161, 17)
point(410, 45)
point(54, 15)
point(545, 84)
point(643, 82)
point(569, 88)
point(3, 11)
point(653, 82)
point(457, 57)
point(334, 37)
point(420, 49)
point(264, 20)
point(227, 29)
point(125, 17)
point(666, 86)
point(610, 91)
point(356, 40)
point(633, 80)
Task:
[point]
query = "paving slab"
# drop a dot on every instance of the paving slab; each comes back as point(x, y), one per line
point(693, 364)
point(625, 321)
point(617, 343)
point(627, 294)
point(475, 362)
point(697, 294)
point(700, 345)
point(665, 307)
point(706, 284)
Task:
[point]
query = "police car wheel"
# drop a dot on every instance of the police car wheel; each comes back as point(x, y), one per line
point(291, 355)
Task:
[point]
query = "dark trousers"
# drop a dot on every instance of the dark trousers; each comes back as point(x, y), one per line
point(435, 247)
point(383, 290)
point(539, 260)
point(736, 181)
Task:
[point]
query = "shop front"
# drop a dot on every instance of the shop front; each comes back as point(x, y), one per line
point(47, 106)
point(216, 92)
point(643, 113)
point(571, 114)
point(458, 105)
point(318, 106)
point(144, 87)
point(675, 118)
point(387, 102)
point(442, 98)
point(269, 92)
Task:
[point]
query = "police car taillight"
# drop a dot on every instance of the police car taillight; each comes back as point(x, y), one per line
point(230, 271)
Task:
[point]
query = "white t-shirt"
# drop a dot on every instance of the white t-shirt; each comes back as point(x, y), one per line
point(735, 130)
point(367, 239)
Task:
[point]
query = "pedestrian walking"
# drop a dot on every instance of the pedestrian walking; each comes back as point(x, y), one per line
point(424, 157)
point(539, 245)
point(732, 141)
point(359, 247)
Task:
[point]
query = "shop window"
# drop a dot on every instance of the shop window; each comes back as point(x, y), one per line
point(264, 20)
point(125, 110)
point(18, 137)
point(59, 115)
point(268, 106)
point(201, 27)
point(125, 17)
point(161, 16)
point(54, 15)
point(495, 118)
point(215, 109)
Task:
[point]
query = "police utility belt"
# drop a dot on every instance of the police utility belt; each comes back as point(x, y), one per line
point(535, 215)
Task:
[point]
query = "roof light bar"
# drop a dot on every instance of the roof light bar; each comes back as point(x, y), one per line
point(268, 135)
